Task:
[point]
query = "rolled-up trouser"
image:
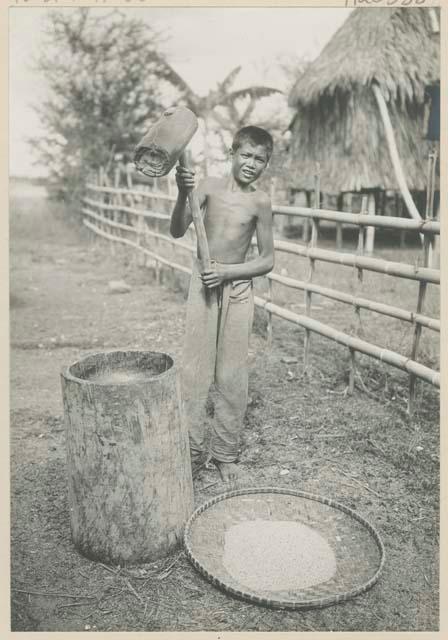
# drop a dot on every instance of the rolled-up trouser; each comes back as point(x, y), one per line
point(218, 326)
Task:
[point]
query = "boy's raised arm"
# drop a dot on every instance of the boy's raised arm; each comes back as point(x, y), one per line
point(181, 217)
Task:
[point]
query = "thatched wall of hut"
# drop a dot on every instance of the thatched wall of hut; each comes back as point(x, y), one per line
point(337, 122)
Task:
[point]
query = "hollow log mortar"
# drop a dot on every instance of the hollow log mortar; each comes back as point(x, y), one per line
point(129, 475)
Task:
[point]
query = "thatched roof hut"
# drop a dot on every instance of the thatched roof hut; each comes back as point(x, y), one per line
point(338, 122)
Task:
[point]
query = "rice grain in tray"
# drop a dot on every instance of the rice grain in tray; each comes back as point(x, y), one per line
point(277, 555)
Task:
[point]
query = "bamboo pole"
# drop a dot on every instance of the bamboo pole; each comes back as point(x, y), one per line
point(108, 236)
point(360, 248)
point(370, 264)
point(363, 303)
point(339, 236)
point(384, 355)
point(422, 285)
point(399, 209)
point(156, 235)
point(308, 292)
point(132, 192)
point(106, 183)
point(393, 151)
point(351, 380)
point(269, 331)
point(117, 196)
point(137, 212)
point(339, 230)
point(430, 214)
point(140, 240)
point(370, 231)
point(306, 230)
point(147, 232)
point(386, 222)
point(357, 308)
point(204, 255)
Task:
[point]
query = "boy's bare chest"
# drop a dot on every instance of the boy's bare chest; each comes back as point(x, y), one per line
point(230, 208)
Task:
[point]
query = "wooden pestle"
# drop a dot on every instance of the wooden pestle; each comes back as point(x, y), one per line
point(193, 201)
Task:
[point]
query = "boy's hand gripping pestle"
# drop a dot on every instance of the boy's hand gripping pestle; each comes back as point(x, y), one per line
point(160, 149)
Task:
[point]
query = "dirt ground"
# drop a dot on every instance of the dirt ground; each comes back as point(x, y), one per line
point(361, 450)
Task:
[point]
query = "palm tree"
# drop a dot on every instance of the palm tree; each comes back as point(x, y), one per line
point(205, 107)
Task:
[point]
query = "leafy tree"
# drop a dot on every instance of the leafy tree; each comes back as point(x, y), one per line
point(106, 79)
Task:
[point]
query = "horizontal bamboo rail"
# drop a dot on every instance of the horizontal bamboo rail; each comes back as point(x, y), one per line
point(131, 192)
point(146, 232)
point(371, 264)
point(388, 222)
point(151, 254)
point(123, 208)
point(325, 255)
point(110, 223)
point(362, 303)
point(384, 355)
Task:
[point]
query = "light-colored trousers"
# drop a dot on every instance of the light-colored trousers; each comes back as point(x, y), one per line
point(218, 326)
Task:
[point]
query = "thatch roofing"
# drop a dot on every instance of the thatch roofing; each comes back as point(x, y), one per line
point(337, 121)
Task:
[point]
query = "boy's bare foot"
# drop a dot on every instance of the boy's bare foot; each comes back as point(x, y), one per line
point(227, 470)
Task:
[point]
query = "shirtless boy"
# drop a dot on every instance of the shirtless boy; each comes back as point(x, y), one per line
point(220, 302)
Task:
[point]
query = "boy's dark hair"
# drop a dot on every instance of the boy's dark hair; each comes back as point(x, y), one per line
point(256, 135)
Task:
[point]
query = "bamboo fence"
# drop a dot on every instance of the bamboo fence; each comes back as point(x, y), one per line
point(116, 213)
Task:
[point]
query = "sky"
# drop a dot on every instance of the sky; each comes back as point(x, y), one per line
point(203, 45)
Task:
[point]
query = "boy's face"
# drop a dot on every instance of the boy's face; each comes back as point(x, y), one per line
point(248, 162)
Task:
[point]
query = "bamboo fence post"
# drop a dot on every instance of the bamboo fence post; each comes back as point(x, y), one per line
point(116, 195)
point(370, 231)
point(272, 187)
point(157, 246)
point(423, 285)
point(357, 287)
point(436, 242)
point(431, 202)
point(313, 242)
point(339, 237)
point(306, 230)
point(102, 196)
point(118, 198)
point(109, 216)
point(360, 252)
point(270, 292)
point(339, 234)
point(270, 297)
point(399, 211)
point(351, 380)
